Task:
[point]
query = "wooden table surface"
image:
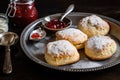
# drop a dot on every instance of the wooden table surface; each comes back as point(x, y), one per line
point(26, 69)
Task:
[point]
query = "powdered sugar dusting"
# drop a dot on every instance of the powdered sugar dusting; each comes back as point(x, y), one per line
point(72, 32)
point(92, 20)
point(60, 47)
point(98, 42)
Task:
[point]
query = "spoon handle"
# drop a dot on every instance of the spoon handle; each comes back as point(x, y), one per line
point(7, 66)
point(69, 9)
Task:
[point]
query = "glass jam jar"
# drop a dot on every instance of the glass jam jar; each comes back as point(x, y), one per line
point(22, 12)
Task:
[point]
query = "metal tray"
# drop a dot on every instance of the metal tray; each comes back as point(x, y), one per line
point(35, 50)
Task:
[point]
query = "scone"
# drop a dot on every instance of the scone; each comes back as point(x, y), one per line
point(100, 47)
point(75, 36)
point(61, 52)
point(93, 25)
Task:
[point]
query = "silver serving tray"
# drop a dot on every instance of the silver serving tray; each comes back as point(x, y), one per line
point(35, 50)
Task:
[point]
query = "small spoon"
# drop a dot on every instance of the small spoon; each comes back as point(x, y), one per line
point(37, 34)
point(47, 19)
point(7, 39)
point(69, 9)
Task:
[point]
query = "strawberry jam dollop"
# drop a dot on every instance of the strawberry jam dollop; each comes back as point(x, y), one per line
point(36, 35)
point(56, 24)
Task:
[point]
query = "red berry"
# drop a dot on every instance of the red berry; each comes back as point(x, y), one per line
point(56, 24)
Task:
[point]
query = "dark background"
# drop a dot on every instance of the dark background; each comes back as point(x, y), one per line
point(45, 7)
point(25, 69)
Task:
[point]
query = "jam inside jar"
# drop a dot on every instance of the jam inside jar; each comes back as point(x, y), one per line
point(22, 12)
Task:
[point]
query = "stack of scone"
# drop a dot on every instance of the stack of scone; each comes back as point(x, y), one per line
point(64, 50)
point(89, 35)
